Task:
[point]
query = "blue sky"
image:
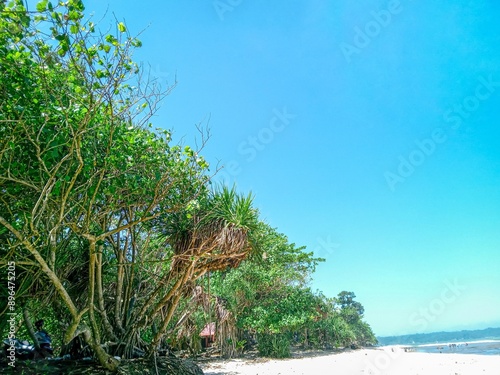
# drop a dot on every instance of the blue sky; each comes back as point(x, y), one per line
point(368, 132)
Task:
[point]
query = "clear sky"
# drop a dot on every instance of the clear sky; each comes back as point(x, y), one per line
point(368, 132)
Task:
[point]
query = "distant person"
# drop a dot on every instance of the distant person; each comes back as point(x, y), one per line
point(43, 338)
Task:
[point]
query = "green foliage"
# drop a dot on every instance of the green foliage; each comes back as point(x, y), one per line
point(274, 345)
point(86, 186)
point(346, 301)
point(339, 332)
point(233, 208)
point(352, 313)
point(110, 224)
point(240, 345)
point(269, 294)
point(364, 334)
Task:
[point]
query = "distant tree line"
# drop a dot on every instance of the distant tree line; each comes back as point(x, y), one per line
point(435, 337)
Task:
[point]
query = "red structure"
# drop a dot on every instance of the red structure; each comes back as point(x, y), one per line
point(208, 335)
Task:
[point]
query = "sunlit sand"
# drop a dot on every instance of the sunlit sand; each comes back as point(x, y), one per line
point(392, 360)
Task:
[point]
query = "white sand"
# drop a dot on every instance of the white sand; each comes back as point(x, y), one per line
point(380, 361)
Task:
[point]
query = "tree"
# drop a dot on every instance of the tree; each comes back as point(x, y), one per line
point(352, 313)
point(107, 221)
point(268, 294)
point(113, 228)
point(346, 300)
point(270, 297)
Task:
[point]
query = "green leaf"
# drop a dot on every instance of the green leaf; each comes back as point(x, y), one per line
point(121, 27)
point(100, 73)
point(57, 189)
point(42, 6)
point(77, 4)
point(74, 15)
point(111, 39)
point(136, 43)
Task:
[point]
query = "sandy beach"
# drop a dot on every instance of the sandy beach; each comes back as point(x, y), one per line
point(379, 361)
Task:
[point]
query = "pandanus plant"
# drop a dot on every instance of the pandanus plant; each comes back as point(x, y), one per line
point(217, 231)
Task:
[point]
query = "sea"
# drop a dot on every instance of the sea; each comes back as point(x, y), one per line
point(483, 347)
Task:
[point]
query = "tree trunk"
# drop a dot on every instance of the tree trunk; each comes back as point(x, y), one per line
point(105, 360)
point(30, 328)
point(93, 337)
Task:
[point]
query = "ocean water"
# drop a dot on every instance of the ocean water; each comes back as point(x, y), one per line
point(486, 347)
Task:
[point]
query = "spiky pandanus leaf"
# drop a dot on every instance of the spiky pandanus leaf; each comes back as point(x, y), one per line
point(219, 232)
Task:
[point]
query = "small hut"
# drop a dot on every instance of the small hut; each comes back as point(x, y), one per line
point(208, 335)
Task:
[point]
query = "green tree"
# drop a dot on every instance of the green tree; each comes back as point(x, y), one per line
point(346, 300)
point(352, 313)
point(108, 223)
point(268, 294)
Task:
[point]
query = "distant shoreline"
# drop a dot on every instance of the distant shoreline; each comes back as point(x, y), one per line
point(441, 337)
point(486, 347)
point(459, 342)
